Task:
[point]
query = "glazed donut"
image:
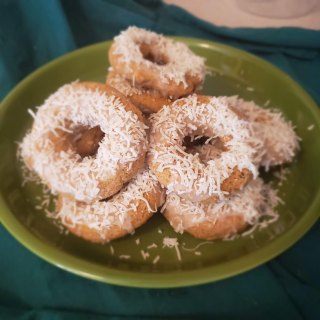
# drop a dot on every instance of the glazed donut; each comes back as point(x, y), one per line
point(147, 100)
point(279, 140)
point(223, 219)
point(152, 61)
point(87, 141)
point(115, 217)
point(184, 173)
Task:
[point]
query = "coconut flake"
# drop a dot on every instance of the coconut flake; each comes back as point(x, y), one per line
point(172, 243)
point(156, 259)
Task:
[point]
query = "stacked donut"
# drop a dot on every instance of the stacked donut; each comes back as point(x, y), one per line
point(90, 144)
point(152, 70)
point(213, 190)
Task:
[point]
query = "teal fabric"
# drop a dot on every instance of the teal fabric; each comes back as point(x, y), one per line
point(34, 32)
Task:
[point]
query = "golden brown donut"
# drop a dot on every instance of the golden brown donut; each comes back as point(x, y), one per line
point(155, 62)
point(87, 141)
point(223, 219)
point(183, 173)
point(116, 216)
point(273, 136)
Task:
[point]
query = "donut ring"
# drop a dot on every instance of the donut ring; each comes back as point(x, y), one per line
point(184, 173)
point(115, 217)
point(147, 100)
point(279, 143)
point(153, 61)
point(221, 220)
point(52, 147)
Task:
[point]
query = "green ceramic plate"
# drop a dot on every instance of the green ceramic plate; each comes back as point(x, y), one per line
point(233, 72)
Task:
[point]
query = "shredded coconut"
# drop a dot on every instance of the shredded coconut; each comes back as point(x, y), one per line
point(124, 257)
point(311, 127)
point(71, 106)
point(281, 175)
point(172, 243)
point(102, 215)
point(156, 259)
point(279, 142)
point(197, 246)
point(145, 255)
point(188, 175)
point(125, 86)
point(256, 203)
point(182, 60)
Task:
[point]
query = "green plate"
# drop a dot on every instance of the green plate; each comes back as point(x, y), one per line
point(233, 72)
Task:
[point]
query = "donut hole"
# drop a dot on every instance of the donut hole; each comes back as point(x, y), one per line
point(149, 53)
point(193, 141)
point(86, 140)
point(207, 148)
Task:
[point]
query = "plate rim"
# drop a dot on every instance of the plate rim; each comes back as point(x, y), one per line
point(203, 275)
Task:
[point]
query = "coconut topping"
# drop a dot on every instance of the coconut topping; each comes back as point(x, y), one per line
point(123, 85)
point(102, 215)
point(188, 174)
point(180, 59)
point(255, 201)
point(279, 140)
point(66, 171)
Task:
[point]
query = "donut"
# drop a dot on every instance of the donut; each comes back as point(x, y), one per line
point(224, 219)
point(116, 216)
point(152, 61)
point(87, 141)
point(147, 100)
point(184, 173)
point(279, 140)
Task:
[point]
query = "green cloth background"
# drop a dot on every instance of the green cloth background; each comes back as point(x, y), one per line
point(34, 32)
